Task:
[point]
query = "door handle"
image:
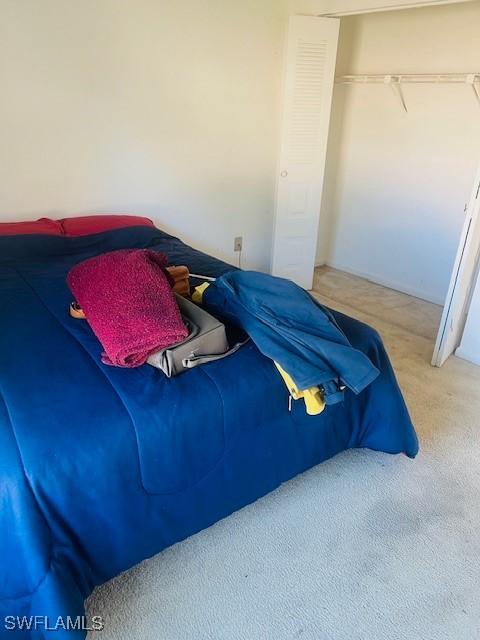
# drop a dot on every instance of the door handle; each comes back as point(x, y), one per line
point(284, 174)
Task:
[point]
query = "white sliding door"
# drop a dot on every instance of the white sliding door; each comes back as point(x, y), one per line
point(461, 282)
point(307, 97)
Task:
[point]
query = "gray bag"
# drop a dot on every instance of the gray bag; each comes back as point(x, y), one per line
point(206, 341)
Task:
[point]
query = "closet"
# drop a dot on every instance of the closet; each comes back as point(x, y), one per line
point(394, 195)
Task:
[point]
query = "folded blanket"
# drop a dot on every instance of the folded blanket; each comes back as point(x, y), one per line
point(128, 303)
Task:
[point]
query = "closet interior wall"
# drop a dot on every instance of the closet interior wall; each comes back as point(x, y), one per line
point(396, 183)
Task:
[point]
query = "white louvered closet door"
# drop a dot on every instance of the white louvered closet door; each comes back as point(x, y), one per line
point(307, 98)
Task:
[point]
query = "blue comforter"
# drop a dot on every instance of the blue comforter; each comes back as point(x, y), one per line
point(102, 467)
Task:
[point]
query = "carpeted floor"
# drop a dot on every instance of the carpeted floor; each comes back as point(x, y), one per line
point(366, 546)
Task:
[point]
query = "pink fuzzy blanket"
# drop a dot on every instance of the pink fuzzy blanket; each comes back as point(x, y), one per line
point(128, 302)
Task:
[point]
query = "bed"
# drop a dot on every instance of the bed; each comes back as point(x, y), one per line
point(102, 467)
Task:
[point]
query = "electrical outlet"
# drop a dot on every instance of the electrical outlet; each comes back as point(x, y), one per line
point(237, 243)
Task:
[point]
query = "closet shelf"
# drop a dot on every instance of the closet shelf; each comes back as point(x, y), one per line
point(396, 80)
point(436, 78)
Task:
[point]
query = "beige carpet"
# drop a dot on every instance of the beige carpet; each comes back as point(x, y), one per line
point(366, 546)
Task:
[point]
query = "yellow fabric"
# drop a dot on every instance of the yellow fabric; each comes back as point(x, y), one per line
point(197, 294)
point(314, 402)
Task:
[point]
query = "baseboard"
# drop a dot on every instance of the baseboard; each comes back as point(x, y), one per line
point(386, 282)
point(466, 356)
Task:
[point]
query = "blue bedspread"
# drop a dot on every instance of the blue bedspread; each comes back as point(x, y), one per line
point(102, 467)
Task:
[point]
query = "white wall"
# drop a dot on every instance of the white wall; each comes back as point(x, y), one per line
point(396, 183)
point(161, 108)
point(470, 345)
